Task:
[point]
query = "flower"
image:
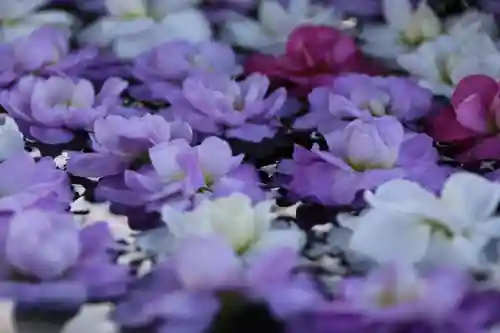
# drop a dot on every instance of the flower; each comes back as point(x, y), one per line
point(406, 224)
point(19, 18)
point(363, 155)
point(220, 11)
point(179, 174)
point(134, 27)
point(275, 22)
point(314, 56)
point(26, 183)
point(118, 142)
point(441, 64)
point(357, 95)
point(204, 276)
point(49, 109)
point(473, 120)
point(11, 139)
point(246, 227)
point(216, 104)
point(392, 298)
point(52, 263)
point(174, 61)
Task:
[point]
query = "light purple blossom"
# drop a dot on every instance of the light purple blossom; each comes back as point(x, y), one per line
point(46, 260)
point(362, 156)
point(51, 109)
point(166, 66)
point(26, 183)
point(218, 105)
point(46, 51)
point(180, 175)
point(362, 96)
point(118, 142)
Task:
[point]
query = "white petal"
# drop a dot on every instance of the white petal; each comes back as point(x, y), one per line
point(189, 24)
point(391, 237)
point(51, 17)
point(398, 13)
point(247, 33)
point(459, 252)
point(15, 9)
point(471, 195)
point(161, 8)
point(126, 7)
point(293, 238)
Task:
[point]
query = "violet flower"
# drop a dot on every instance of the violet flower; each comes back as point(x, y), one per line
point(187, 290)
point(47, 261)
point(46, 51)
point(26, 183)
point(118, 142)
point(51, 109)
point(357, 96)
point(167, 65)
point(218, 105)
point(362, 156)
point(180, 175)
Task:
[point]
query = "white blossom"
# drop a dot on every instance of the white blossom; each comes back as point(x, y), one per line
point(11, 139)
point(440, 64)
point(406, 29)
point(135, 26)
point(406, 224)
point(275, 22)
point(19, 18)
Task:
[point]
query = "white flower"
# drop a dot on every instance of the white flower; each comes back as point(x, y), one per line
point(406, 224)
point(11, 139)
point(135, 26)
point(441, 64)
point(19, 18)
point(275, 22)
point(247, 228)
point(406, 29)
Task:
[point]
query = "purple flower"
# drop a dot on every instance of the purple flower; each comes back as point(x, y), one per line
point(118, 142)
point(48, 261)
point(362, 156)
point(391, 299)
point(216, 104)
point(166, 66)
point(25, 183)
point(50, 109)
point(361, 96)
point(181, 174)
point(46, 51)
point(185, 292)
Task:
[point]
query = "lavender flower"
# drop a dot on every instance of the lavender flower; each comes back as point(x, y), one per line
point(117, 142)
point(50, 109)
point(363, 155)
point(25, 183)
point(216, 104)
point(166, 66)
point(180, 174)
point(46, 51)
point(47, 261)
point(361, 96)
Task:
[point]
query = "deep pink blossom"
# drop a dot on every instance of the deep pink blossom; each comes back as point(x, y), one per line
point(314, 56)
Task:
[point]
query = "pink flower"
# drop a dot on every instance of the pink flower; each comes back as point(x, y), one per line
point(472, 123)
point(314, 56)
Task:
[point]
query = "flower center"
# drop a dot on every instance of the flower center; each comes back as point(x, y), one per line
point(438, 227)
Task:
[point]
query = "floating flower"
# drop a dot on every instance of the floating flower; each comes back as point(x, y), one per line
point(363, 155)
point(441, 64)
point(25, 183)
point(51, 109)
point(174, 61)
point(276, 21)
point(216, 104)
point(407, 224)
point(134, 27)
point(68, 268)
point(20, 18)
point(314, 56)
point(356, 96)
point(180, 173)
point(118, 142)
point(473, 120)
